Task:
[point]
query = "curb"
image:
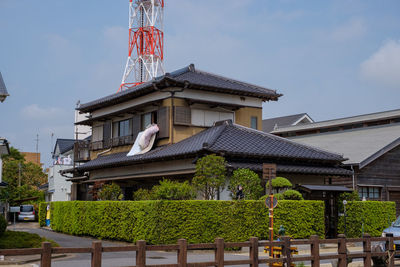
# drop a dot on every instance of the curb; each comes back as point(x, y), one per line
point(33, 259)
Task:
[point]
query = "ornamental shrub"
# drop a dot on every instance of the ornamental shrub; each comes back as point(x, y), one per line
point(292, 195)
point(110, 192)
point(370, 216)
point(249, 180)
point(280, 183)
point(142, 194)
point(210, 175)
point(173, 190)
point(3, 225)
point(199, 221)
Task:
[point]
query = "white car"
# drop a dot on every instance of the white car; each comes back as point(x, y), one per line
point(26, 213)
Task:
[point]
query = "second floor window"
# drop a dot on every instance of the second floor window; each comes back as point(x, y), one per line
point(148, 118)
point(253, 122)
point(123, 128)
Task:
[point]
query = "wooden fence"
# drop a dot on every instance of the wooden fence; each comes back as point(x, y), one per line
point(182, 248)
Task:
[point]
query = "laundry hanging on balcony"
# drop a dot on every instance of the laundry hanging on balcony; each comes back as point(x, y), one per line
point(144, 141)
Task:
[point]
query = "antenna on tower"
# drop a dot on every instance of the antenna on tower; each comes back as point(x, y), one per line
point(146, 43)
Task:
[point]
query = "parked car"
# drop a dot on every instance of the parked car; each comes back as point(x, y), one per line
point(26, 213)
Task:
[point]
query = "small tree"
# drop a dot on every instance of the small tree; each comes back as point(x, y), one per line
point(110, 192)
point(210, 175)
point(173, 190)
point(280, 184)
point(250, 182)
point(292, 195)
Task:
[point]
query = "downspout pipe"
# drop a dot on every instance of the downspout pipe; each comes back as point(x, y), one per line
point(353, 175)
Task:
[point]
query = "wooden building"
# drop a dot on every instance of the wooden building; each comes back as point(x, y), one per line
point(371, 144)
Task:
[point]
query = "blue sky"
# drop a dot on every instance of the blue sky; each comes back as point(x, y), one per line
point(329, 58)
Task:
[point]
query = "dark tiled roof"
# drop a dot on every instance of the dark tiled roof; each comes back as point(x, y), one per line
point(269, 124)
point(64, 145)
point(283, 168)
point(190, 78)
point(3, 88)
point(325, 188)
point(230, 139)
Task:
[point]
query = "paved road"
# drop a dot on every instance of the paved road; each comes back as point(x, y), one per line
point(115, 258)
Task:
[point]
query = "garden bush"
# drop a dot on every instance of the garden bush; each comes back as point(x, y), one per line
point(292, 195)
point(164, 222)
point(280, 183)
point(249, 180)
point(376, 216)
point(3, 225)
point(110, 192)
point(142, 194)
point(173, 190)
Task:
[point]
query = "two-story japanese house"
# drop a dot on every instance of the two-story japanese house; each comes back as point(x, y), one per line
point(197, 113)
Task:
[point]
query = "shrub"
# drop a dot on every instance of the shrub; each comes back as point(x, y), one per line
point(278, 196)
point(173, 190)
point(292, 195)
point(249, 180)
point(376, 216)
point(280, 183)
point(210, 175)
point(110, 192)
point(142, 194)
point(3, 225)
point(164, 222)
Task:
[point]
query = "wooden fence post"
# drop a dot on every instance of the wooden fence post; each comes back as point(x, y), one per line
point(342, 251)
point(254, 251)
point(367, 250)
point(46, 255)
point(141, 253)
point(315, 251)
point(390, 247)
point(286, 251)
point(182, 253)
point(219, 252)
point(96, 253)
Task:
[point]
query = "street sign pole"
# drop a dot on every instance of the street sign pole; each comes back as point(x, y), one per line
point(269, 172)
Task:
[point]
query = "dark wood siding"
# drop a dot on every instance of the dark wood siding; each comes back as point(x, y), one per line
point(136, 124)
point(182, 116)
point(107, 134)
point(163, 122)
point(384, 171)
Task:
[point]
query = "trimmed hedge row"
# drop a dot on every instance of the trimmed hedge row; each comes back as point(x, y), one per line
point(42, 213)
point(164, 222)
point(376, 216)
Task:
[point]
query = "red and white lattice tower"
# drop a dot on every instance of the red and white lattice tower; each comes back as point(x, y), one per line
point(146, 42)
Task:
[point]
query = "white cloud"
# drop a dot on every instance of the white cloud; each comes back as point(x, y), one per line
point(383, 67)
point(353, 29)
point(38, 113)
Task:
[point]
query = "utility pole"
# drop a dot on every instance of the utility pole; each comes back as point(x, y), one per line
point(37, 149)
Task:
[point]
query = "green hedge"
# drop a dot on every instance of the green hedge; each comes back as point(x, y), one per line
point(42, 213)
point(164, 222)
point(376, 215)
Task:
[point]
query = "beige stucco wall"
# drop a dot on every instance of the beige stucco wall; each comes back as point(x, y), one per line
point(243, 115)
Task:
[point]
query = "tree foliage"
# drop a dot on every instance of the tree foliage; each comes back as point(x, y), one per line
point(23, 178)
point(110, 192)
point(292, 195)
point(210, 175)
point(249, 180)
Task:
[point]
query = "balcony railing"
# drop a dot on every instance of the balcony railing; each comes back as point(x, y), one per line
point(81, 151)
point(113, 142)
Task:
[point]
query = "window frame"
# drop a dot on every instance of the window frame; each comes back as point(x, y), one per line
point(256, 122)
point(370, 192)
